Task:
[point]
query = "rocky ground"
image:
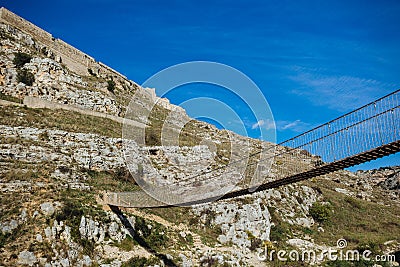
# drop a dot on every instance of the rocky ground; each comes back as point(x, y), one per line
point(56, 164)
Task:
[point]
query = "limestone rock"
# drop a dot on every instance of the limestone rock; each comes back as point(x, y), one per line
point(47, 208)
point(239, 224)
point(185, 261)
point(39, 238)
point(82, 227)
point(86, 260)
point(8, 226)
point(64, 262)
point(392, 182)
point(27, 258)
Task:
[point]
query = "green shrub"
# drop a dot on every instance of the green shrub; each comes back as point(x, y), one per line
point(127, 244)
point(111, 86)
point(353, 202)
point(10, 98)
point(279, 232)
point(3, 239)
point(71, 213)
point(20, 59)
point(189, 239)
point(25, 76)
point(370, 245)
point(155, 237)
point(320, 212)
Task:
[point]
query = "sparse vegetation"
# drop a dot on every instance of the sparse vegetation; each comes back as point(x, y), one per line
point(25, 76)
point(280, 230)
point(10, 98)
point(358, 221)
point(20, 59)
point(353, 202)
point(75, 205)
point(111, 85)
point(188, 136)
point(116, 180)
point(173, 214)
point(3, 239)
point(59, 119)
point(320, 212)
point(71, 213)
point(360, 263)
point(127, 244)
point(153, 233)
point(255, 242)
point(189, 239)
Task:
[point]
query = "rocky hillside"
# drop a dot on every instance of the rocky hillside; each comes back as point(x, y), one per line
point(56, 162)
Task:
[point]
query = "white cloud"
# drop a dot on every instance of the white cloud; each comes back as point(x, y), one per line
point(341, 93)
point(290, 125)
point(266, 124)
point(295, 126)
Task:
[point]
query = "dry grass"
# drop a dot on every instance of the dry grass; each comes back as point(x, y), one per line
point(10, 98)
point(358, 221)
point(59, 119)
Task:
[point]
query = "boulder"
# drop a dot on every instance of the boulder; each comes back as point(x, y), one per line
point(47, 208)
point(27, 258)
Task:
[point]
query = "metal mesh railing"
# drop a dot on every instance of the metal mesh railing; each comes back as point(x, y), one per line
point(363, 129)
point(371, 126)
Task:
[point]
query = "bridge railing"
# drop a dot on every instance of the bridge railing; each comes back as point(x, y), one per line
point(366, 128)
point(363, 129)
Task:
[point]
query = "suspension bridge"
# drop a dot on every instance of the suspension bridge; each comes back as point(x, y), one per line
point(367, 133)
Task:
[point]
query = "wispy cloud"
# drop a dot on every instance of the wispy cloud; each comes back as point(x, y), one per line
point(266, 124)
point(297, 126)
point(282, 125)
point(341, 93)
point(291, 125)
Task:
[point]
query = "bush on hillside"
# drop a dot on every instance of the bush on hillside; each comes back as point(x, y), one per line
point(111, 86)
point(25, 76)
point(320, 212)
point(20, 59)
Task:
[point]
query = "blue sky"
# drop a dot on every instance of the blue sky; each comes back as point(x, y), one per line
point(313, 60)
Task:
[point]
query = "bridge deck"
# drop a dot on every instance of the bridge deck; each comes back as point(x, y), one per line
point(141, 199)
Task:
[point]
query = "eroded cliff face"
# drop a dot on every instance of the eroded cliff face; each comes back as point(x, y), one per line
point(56, 163)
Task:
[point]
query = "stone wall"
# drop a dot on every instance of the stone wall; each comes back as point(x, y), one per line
point(72, 57)
point(8, 17)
